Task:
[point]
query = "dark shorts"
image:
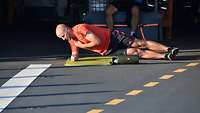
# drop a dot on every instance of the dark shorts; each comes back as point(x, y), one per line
point(119, 43)
point(126, 5)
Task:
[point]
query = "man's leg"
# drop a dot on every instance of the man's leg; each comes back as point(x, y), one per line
point(148, 54)
point(151, 45)
point(155, 46)
point(110, 10)
point(158, 47)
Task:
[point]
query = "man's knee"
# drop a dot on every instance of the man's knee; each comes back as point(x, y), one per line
point(132, 51)
point(139, 43)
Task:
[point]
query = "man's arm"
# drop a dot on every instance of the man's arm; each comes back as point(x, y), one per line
point(93, 41)
point(74, 51)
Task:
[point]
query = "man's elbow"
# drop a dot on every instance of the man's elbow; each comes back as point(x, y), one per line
point(98, 42)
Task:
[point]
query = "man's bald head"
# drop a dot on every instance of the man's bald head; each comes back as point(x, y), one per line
point(60, 29)
point(64, 32)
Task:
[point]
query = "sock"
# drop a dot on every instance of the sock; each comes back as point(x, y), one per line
point(132, 33)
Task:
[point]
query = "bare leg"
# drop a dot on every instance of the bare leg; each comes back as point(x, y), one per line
point(135, 12)
point(155, 46)
point(151, 45)
point(110, 10)
point(146, 54)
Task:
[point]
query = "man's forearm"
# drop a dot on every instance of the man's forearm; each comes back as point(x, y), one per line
point(89, 45)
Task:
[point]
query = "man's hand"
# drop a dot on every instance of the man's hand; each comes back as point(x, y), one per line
point(74, 58)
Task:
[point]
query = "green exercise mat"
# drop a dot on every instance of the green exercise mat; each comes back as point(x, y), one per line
point(89, 61)
point(103, 60)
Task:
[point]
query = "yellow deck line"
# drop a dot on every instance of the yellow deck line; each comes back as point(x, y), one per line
point(151, 84)
point(192, 64)
point(95, 111)
point(115, 101)
point(134, 92)
point(180, 70)
point(166, 77)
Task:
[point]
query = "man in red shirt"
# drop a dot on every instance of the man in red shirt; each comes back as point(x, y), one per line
point(106, 42)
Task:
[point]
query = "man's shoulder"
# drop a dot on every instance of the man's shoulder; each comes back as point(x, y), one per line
point(82, 25)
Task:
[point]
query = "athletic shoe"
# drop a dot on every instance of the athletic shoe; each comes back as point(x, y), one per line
point(173, 50)
point(169, 56)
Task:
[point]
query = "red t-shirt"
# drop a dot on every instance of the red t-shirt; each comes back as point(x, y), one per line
point(80, 32)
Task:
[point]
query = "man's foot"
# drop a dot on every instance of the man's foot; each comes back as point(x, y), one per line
point(173, 50)
point(169, 56)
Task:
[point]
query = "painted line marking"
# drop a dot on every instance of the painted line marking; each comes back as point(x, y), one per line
point(9, 91)
point(151, 84)
point(95, 111)
point(115, 101)
point(192, 64)
point(166, 77)
point(180, 70)
point(134, 92)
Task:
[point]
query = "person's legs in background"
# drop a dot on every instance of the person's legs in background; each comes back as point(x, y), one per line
point(135, 18)
point(110, 10)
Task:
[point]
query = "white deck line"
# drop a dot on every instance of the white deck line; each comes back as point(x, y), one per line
point(9, 90)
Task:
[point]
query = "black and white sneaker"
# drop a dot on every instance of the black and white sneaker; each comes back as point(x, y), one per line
point(169, 56)
point(173, 50)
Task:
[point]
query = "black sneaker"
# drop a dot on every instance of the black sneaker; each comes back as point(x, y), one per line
point(169, 56)
point(173, 50)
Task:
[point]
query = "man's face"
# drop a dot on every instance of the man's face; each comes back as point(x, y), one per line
point(64, 33)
